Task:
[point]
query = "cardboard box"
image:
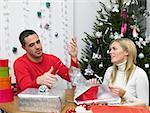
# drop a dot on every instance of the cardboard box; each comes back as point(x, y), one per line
point(33, 100)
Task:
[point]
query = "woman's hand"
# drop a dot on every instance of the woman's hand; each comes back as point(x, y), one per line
point(93, 81)
point(117, 91)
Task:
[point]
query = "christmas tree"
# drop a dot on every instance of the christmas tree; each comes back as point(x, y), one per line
point(122, 19)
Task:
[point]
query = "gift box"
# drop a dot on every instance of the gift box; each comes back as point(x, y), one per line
point(4, 71)
point(3, 62)
point(33, 100)
point(5, 82)
point(6, 95)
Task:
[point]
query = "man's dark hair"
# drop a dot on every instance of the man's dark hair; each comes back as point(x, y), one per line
point(25, 34)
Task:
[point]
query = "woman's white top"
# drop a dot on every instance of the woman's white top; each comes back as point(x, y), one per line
point(137, 86)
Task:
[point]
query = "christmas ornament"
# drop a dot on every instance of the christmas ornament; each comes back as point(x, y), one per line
point(101, 23)
point(134, 2)
point(14, 50)
point(39, 14)
point(46, 26)
point(56, 34)
point(107, 51)
point(147, 65)
point(89, 71)
point(142, 41)
point(115, 8)
point(124, 16)
point(138, 44)
point(134, 33)
point(98, 34)
point(133, 16)
point(116, 35)
point(128, 2)
point(146, 13)
point(101, 65)
point(47, 4)
point(90, 45)
point(141, 55)
point(111, 35)
point(123, 29)
point(43, 89)
point(96, 56)
point(85, 59)
point(135, 30)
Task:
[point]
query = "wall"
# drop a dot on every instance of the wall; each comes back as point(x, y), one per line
point(53, 24)
point(85, 16)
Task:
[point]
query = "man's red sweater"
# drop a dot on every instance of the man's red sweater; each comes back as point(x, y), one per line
point(27, 71)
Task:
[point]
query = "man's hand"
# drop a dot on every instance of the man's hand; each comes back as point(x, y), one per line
point(47, 79)
point(73, 49)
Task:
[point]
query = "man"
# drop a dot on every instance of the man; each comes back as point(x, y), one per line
point(36, 68)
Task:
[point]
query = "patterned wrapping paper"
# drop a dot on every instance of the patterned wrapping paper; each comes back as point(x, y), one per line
point(34, 101)
point(104, 96)
point(82, 86)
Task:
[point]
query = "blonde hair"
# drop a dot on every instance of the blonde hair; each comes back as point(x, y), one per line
point(129, 46)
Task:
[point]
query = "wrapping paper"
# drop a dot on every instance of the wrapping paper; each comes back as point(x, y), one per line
point(118, 109)
point(82, 87)
point(33, 100)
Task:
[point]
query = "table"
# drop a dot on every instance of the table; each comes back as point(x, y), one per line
point(12, 107)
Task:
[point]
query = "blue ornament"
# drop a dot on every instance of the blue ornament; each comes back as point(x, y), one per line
point(43, 89)
point(48, 4)
point(39, 14)
point(14, 50)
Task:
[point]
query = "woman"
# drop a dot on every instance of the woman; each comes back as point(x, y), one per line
point(124, 78)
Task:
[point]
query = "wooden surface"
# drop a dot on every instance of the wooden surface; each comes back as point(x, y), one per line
point(12, 107)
